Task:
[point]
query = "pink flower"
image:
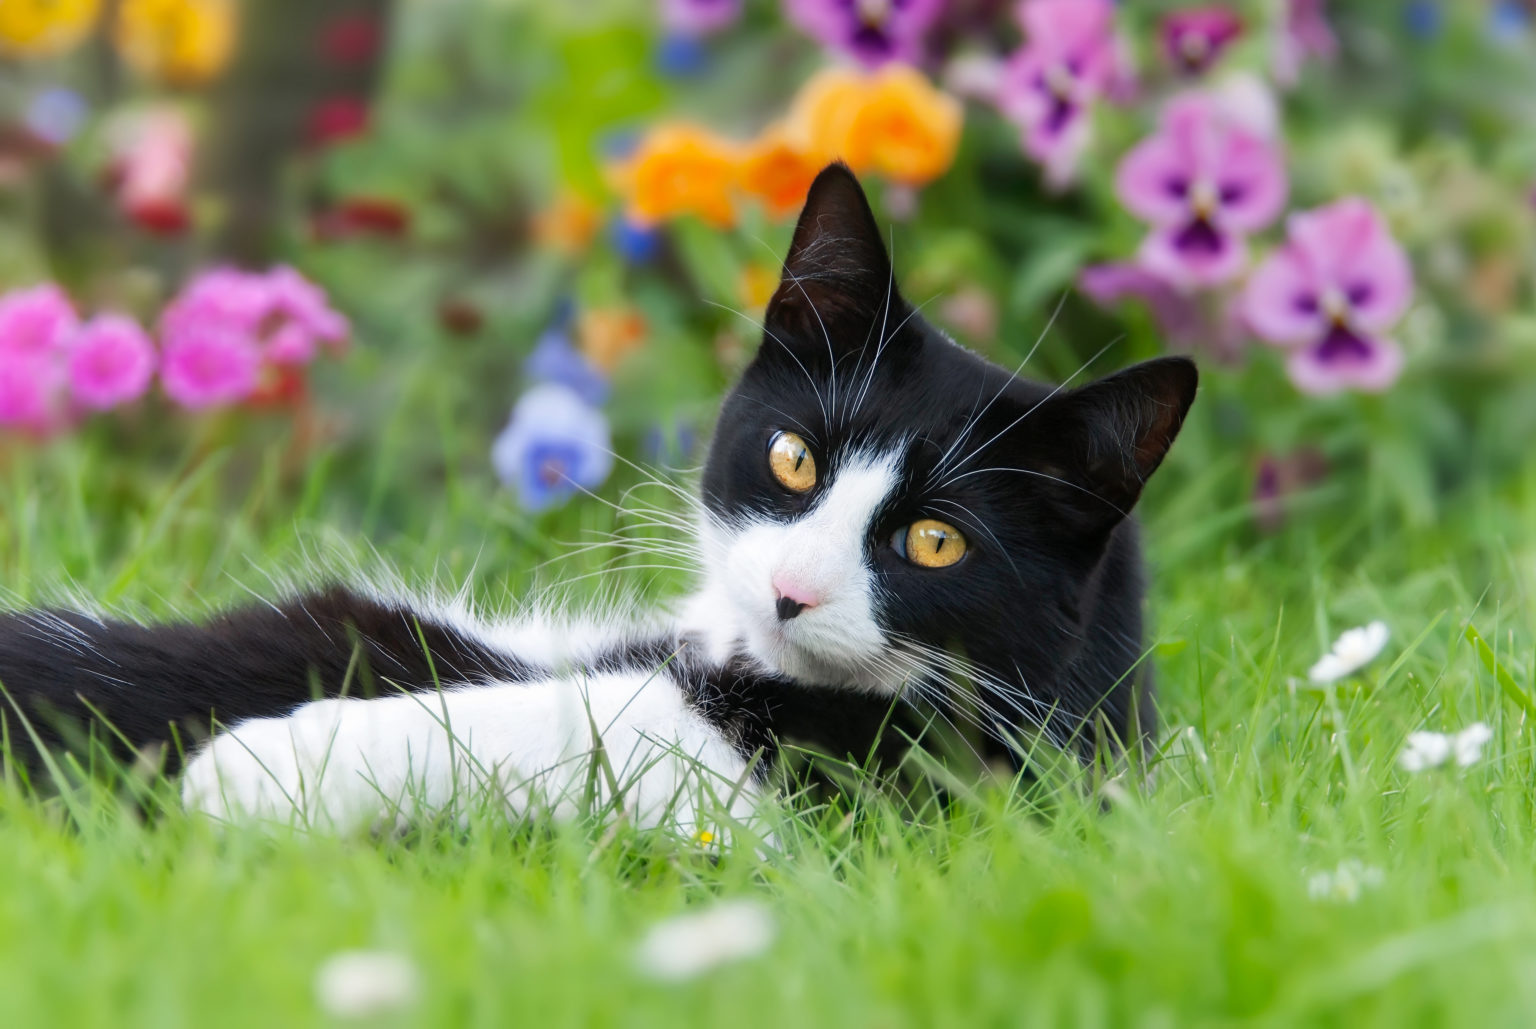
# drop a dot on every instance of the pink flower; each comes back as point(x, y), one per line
point(1329, 293)
point(151, 168)
point(35, 321)
point(699, 17)
point(29, 390)
point(1070, 59)
point(1304, 33)
point(1204, 182)
point(283, 315)
point(1194, 38)
point(209, 366)
point(111, 360)
point(872, 32)
point(1186, 321)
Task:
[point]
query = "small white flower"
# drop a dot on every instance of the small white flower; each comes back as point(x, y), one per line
point(1355, 649)
point(690, 945)
point(1469, 743)
point(1345, 883)
point(1432, 749)
point(366, 983)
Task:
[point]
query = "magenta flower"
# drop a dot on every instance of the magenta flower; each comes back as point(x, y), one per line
point(873, 32)
point(699, 17)
point(1329, 293)
point(1187, 321)
point(111, 361)
point(1070, 59)
point(283, 315)
point(1304, 33)
point(1194, 38)
point(29, 390)
point(209, 366)
point(1204, 182)
point(36, 321)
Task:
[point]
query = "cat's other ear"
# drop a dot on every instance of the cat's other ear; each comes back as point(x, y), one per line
point(1108, 437)
point(837, 270)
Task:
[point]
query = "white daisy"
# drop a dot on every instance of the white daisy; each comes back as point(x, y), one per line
point(1432, 749)
point(1345, 883)
point(690, 945)
point(366, 983)
point(1355, 649)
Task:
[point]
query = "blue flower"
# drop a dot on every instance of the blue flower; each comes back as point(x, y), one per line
point(1423, 18)
point(554, 444)
point(56, 115)
point(555, 360)
point(1508, 21)
point(681, 56)
point(636, 243)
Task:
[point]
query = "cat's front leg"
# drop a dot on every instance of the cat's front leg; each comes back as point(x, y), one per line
point(553, 745)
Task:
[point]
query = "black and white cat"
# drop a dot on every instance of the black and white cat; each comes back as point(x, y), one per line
point(888, 521)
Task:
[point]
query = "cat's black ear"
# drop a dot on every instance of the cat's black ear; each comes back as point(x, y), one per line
point(837, 269)
point(1108, 437)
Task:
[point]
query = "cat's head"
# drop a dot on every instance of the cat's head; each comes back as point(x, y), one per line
point(875, 494)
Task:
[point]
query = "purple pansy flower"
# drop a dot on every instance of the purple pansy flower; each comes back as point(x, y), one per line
point(1194, 38)
point(555, 360)
point(1204, 182)
point(873, 32)
point(1329, 293)
point(1070, 58)
point(1187, 321)
point(1304, 33)
point(699, 17)
point(554, 444)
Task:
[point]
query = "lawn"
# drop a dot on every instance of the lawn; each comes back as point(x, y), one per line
point(453, 212)
point(1195, 897)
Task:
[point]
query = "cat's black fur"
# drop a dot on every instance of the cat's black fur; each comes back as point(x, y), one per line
point(1047, 603)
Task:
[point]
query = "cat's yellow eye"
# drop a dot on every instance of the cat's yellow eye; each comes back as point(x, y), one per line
point(930, 543)
point(791, 462)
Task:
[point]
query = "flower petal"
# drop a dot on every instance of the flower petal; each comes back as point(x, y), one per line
point(1281, 302)
point(1194, 255)
point(1346, 360)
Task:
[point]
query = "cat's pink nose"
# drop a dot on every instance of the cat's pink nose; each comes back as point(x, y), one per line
point(793, 597)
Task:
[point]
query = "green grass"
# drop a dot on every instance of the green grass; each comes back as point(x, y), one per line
point(1180, 902)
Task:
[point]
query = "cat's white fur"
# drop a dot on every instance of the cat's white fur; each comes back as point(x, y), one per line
point(347, 764)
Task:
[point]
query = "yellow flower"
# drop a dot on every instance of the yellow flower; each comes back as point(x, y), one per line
point(183, 42)
point(607, 335)
point(894, 122)
point(44, 28)
point(681, 169)
point(777, 169)
point(756, 284)
point(569, 224)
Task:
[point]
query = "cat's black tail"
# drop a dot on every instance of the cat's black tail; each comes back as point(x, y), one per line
point(76, 682)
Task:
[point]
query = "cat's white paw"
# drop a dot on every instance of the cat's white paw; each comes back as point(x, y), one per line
point(271, 769)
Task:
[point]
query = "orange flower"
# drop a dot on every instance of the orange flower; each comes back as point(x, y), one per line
point(681, 169)
point(893, 122)
point(778, 170)
point(822, 115)
point(909, 130)
point(569, 224)
point(607, 335)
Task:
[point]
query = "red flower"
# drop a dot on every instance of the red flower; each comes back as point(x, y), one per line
point(351, 39)
point(160, 217)
point(362, 216)
point(460, 316)
point(337, 119)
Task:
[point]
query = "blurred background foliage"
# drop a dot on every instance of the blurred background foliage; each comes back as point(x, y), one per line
point(503, 195)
